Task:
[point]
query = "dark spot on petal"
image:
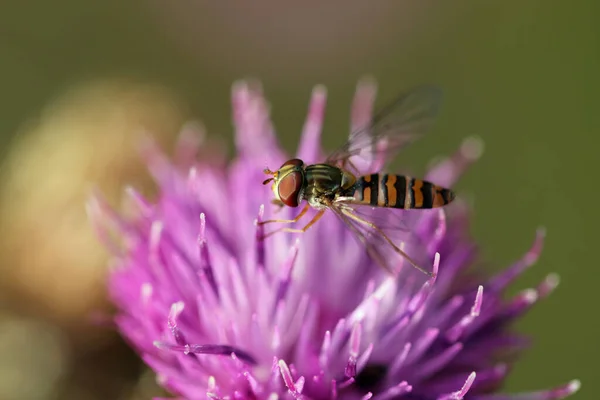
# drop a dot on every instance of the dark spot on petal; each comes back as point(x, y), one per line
point(371, 377)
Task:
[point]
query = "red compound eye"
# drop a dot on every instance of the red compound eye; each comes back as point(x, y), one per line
point(289, 188)
point(296, 162)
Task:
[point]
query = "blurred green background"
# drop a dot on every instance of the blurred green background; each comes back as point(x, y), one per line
point(523, 75)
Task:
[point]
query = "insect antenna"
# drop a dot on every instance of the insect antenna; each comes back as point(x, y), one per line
point(267, 171)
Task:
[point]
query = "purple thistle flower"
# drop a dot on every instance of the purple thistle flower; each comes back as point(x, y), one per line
point(219, 313)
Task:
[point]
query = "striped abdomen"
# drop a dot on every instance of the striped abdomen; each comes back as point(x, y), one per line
point(398, 191)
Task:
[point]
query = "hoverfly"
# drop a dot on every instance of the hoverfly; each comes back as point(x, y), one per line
point(338, 185)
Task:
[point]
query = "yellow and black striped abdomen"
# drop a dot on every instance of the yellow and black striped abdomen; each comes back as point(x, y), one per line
point(398, 191)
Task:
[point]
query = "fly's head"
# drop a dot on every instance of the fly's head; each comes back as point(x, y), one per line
point(288, 182)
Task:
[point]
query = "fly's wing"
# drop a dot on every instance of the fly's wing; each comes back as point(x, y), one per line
point(372, 247)
point(397, 223)
point(395, 126)
point(395, 227)
point(394, 221)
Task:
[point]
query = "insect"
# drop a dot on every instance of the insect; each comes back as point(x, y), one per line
point(338, 185)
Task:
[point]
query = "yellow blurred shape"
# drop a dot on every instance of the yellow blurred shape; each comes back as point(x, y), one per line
point(53, 264)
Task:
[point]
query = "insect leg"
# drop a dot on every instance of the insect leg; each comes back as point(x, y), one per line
point(287, 221)
point(295, 230)
point(398, 250)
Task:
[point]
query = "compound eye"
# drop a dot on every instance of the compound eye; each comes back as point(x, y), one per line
point(296, 162)
point(289, 188)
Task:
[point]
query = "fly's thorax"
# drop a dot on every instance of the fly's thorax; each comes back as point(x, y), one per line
point(317, 202)
point(323, 179)
point(348, 181)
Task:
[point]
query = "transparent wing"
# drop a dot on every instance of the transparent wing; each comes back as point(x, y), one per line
point(396, 228)
point(373, 247)
point(401, 122)
point(394, 221)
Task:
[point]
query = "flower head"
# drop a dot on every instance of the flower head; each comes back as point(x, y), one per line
point(218, 312)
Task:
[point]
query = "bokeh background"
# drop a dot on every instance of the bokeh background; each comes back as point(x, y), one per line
point(81, 80)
